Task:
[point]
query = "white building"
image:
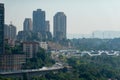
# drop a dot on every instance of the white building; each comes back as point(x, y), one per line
point(44, 45)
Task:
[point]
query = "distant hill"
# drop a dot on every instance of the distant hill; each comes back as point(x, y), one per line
point(97, 34)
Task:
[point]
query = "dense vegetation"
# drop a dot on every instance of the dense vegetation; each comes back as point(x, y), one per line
point(17, 49)
point(96, 68)
point(41, 59)
point(96, 44)
point(86, 68)
point(83, 68)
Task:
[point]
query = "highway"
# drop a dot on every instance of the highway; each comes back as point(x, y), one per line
point(57, 66)
point(76, 53)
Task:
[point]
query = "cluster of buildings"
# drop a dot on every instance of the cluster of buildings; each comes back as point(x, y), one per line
point(37, 26)
point(41, 27)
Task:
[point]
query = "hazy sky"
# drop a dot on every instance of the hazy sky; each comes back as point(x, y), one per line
point(83, 16)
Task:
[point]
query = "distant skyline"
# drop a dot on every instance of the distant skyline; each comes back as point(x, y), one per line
point(97, 34)
point(83, 16)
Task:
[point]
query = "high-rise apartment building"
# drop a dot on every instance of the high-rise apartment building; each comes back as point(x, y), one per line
point(59, 26)
point(12, 32)
point(9, 32)
point(27, 24)
point(6, 31)
point(1, 28)
point(47, 26)
point(39, 21)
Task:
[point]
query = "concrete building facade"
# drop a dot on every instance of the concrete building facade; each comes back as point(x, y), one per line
point(60, 26)
point(30, 49)
point(6, 31)
point(27, 25)
point(10, 32)
point(47, 26)
point(39, 21)
point(11, 62)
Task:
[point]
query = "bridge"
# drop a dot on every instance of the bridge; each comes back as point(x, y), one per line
point(78, 53)
point(29, 73)
point(98, 53)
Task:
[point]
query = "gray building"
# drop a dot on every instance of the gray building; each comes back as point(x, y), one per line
point(12, 62)
point(9, 32)
point(47, 26)
point(1, 28)
point(39, 21)
point(12, 32)
point(6, 31)
point(27, 25)
point(59, 26)
point(30, 48)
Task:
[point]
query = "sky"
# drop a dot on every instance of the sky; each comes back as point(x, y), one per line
point(83, 16)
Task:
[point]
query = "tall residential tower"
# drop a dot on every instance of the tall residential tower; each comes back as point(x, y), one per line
point(60, 26)
point(39, 21)
point(27, 24)
point(1, 28)
point(10, 32)
point(47, 26)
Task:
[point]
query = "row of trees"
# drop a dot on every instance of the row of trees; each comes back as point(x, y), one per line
point(41, 59)
point(96, 68)
point(85, 68)
point(88, 68)
point(96, 44)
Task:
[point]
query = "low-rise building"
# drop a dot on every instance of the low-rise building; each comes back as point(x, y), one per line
point(12, 62)
point(44, 45)
point(30, 48)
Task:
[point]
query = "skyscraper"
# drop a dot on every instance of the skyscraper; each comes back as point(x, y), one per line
point(12, 32)
point(6, 31)
point(47, 26)
point(9, 32)
point(1, 28)
point(27, 24)
point(39, 21)
point(60, 26)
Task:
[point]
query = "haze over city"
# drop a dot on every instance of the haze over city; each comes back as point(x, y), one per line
point(83, 16)
point(59, 40)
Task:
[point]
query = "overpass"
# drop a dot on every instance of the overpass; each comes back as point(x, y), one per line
point(98, 53)
point(29, 73)
point(78, 53)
